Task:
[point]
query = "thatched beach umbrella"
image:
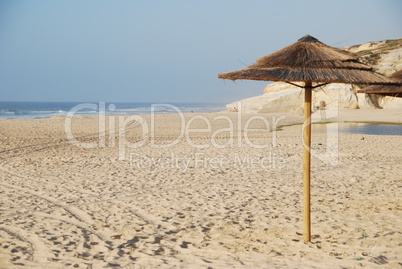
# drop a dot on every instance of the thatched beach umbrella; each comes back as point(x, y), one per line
point(310, 61)
point(394, 91)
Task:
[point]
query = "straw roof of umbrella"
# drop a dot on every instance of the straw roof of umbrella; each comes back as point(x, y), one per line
point(395, 91)
point(308, 59)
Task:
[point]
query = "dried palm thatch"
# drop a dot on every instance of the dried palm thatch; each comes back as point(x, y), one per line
point(310, 60)
point(395, 91)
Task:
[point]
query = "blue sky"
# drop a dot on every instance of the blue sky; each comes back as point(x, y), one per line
point(165, 51)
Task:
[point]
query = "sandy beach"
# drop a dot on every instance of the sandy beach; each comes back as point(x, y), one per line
point(227, 194)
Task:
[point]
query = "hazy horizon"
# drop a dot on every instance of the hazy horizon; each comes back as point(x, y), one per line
point(172, 52)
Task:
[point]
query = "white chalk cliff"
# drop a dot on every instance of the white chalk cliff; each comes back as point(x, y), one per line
point(385, 56)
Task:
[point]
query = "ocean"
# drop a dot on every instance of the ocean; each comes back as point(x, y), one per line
point(351, 127)
point(40, 110)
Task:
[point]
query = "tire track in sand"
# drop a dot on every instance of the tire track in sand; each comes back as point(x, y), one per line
point(84, 217)
point(75, 212)
point(40, 252)
point(84, 221)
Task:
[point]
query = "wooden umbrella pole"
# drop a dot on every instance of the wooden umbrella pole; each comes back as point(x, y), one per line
point(306, 160)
